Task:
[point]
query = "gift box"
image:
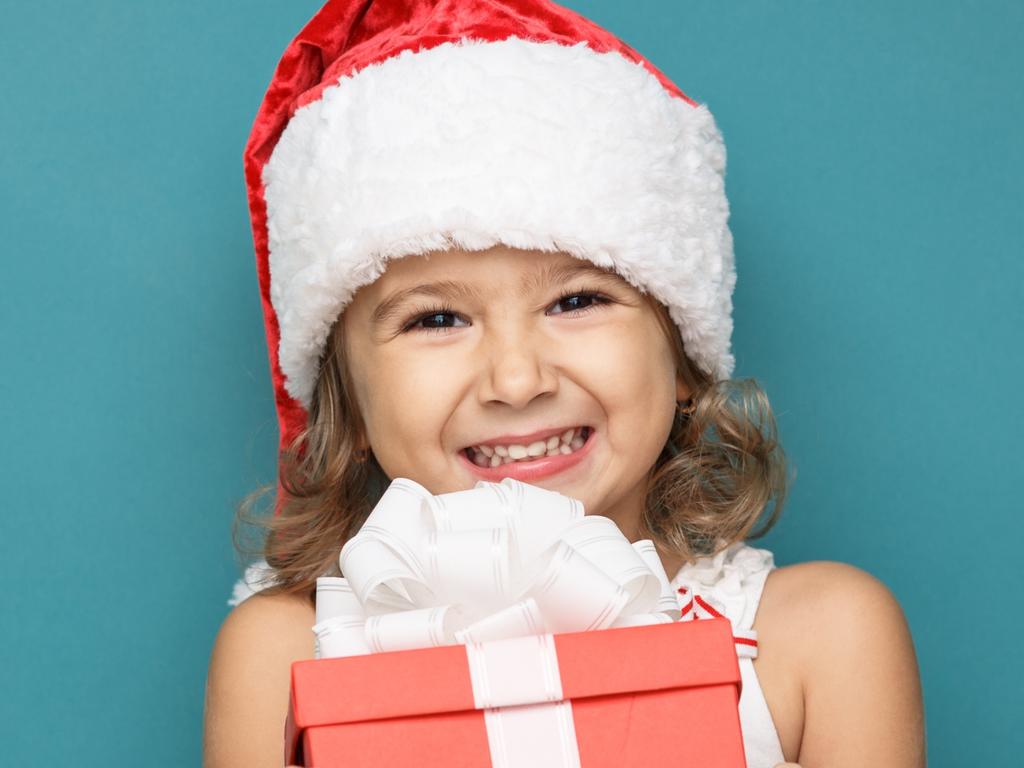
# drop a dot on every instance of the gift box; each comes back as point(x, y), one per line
point(664, 694)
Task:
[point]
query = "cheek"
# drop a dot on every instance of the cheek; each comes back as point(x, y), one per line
point(407, 405)
point(633, 376)
point(629, 368)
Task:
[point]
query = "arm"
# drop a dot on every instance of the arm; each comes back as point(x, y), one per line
point(861, 687)
point(248, 681)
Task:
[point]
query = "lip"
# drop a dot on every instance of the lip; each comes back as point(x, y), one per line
point(541, 434)
point(528, 471)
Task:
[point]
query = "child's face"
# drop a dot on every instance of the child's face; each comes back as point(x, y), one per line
point(507, 358)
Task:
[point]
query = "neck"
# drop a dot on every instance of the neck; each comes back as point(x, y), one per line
point(672, 563)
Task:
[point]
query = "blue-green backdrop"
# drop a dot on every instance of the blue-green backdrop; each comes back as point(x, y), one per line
point(875, 169)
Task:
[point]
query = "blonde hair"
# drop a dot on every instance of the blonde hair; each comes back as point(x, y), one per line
point(720, 470)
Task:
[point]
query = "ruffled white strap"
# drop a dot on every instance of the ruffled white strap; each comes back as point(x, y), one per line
point(257, 576)
point(728, 584)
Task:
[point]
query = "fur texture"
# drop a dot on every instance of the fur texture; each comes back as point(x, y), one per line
point(527, 144)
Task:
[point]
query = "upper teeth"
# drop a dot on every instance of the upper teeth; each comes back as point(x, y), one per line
point(494, 455)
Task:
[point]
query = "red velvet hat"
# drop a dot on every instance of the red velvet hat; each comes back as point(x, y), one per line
point(397, 127)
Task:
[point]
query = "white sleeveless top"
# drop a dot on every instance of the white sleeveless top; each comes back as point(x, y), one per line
point(728, 584)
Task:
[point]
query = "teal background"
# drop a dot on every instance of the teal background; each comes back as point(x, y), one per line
point(874, 172)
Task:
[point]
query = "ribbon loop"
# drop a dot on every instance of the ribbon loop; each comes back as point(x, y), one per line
point(421, 628)
point(470, 568)
point(600, 541)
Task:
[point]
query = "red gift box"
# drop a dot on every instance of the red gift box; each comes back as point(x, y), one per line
point(666, 694)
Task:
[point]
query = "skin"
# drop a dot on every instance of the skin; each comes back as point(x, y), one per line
point(836, 661)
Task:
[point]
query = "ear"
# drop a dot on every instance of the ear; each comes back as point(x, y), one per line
point(683, 391)
point(362, 441)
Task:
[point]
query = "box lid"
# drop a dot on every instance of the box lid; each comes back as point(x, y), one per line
point(433, 680)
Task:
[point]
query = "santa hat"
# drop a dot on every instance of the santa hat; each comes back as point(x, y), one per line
point(398, 127)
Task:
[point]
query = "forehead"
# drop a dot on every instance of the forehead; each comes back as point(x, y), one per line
point(514, 269)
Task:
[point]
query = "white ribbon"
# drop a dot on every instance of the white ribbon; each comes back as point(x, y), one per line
point(500, 560)
point(481, 567)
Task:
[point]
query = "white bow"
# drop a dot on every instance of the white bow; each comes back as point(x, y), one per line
point(498, 561)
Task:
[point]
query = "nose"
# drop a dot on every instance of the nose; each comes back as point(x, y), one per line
point(518, 369)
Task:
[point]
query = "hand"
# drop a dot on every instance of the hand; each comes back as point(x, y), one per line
point(787, 765)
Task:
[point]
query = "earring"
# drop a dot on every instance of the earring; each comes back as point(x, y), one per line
point(361, 455)
point(687, 408)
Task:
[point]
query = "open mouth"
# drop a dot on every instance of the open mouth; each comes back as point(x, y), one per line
point(568, 442)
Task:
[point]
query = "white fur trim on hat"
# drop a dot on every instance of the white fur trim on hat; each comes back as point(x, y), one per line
point(472, 144)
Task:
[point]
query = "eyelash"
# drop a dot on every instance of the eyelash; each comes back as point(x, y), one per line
point(598, 300)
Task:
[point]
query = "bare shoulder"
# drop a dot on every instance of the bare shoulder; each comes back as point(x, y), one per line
point(806, 593)
point(248, 680)
point(827, 612)
point(282, 617)
point(843, 635)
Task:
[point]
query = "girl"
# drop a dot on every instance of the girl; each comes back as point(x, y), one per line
point(492, 242)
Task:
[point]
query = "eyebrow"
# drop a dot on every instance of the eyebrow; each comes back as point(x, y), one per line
point(535, 280)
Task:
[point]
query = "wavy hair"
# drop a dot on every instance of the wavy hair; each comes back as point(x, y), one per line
point(721, 471)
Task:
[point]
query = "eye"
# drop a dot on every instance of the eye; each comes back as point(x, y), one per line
point(580, 302)
point(433, 320)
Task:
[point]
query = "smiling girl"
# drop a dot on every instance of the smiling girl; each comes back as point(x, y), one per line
point(492, 242)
